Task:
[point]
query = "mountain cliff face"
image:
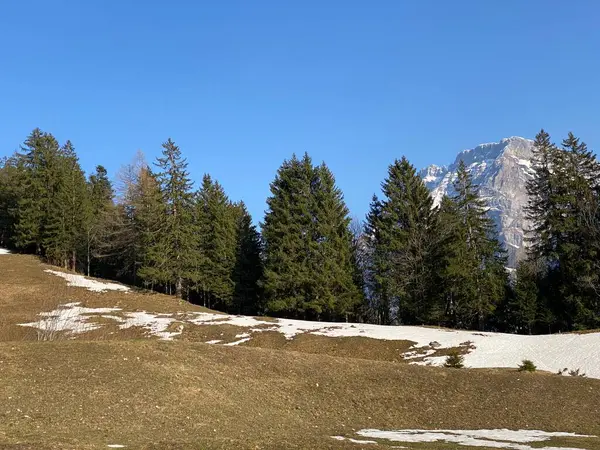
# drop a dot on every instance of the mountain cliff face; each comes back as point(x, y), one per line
point(501, 170)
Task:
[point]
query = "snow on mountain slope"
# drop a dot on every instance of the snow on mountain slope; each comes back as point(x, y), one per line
point(501, 169)
point(549, 352)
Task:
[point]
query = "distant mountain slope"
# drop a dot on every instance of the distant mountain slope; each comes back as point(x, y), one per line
point(501, 169)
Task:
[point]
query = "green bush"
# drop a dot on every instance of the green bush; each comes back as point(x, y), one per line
point(454, 360)
point(527, 366)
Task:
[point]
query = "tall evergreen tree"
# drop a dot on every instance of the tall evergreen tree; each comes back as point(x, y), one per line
point(478, 279)
point(306, 225)
point(411, 223)
point(248, 265)
point(218, 226)
point(378, 266)
point(170, 257)
point(335, 294)
point(39, 159)
point(65, 221)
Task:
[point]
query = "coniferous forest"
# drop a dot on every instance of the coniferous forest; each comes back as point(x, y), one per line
point(408, 263)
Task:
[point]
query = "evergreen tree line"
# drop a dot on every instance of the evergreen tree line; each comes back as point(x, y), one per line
point(408, 263)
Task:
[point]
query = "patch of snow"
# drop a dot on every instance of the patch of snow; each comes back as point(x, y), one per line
point(4, 251)
point(214, 341)
point(549, 352)
point(354, 441)
point(241, 341)
point(156, 324)
point(70, 318)
point(502, 438)
point(91, 285)
point(525, 162)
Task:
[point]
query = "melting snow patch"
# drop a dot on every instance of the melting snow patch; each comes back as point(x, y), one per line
point(156, 324)
point(3, 251)
point(91, 285)
point(503, 438)
point(214, 341)
point(70, 318)
point(548, 352)
point(354, 441)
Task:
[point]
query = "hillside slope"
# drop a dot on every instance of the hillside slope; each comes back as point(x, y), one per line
point(122, 368)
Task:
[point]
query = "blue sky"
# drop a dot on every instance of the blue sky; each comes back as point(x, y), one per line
point(241, 85)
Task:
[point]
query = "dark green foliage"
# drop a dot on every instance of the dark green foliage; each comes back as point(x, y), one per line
point(475, 273)
point(454, 360)
point(403, 228)
point(563, 209)
point(527, 366)
point(170, 255)
point(247, 271)
point(524, 304)
point(217, 220)
point(308, 246)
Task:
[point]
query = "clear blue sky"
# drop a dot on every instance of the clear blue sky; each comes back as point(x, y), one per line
point(241, 85)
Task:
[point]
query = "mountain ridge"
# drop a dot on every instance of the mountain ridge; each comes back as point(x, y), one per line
point(501, 170)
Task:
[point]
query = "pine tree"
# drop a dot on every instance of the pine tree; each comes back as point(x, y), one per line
point(99, 212)
point(170, 257)
point(248, 265)
point(523, 307)
point(10, 175)
point(151, 254)
point(65, 221)
point(410, 222)
point(540, 208)
point(305, 229)
point(286, 232)
point(476, 268)
point(217, 221)
point(38, 185)
point(335, 294)
point(378, 268)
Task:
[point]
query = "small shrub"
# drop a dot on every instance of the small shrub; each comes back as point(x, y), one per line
point(576, 373)
point(455, 360)
point(527, 366)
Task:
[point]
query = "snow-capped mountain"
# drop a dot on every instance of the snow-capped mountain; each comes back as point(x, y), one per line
point(501, 170)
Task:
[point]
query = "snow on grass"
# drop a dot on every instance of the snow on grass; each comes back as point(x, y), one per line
point(91, 285)
point(70, 318)
point(155, 324)
point(4, 251)
point(502, 438)
point(354, 441)
point(548, 352)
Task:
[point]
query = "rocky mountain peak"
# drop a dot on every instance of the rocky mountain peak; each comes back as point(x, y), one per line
point(501, 170)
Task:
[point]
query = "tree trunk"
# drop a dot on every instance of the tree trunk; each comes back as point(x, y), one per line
point(179, 288)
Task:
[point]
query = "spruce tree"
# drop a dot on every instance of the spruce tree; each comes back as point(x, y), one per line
point(39, 158)
point(305, 228)
point(410, 223)
point(248, 265)
point(286, 232)
point(476, 267)
point(99, 212)
point(378, 268)
point(65, 221)
point(523, 307)
point(217, 222)
point(335, 295)
point(170, 258)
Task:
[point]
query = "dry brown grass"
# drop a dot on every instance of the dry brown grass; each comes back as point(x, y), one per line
point(117, 387)
point(75, 394)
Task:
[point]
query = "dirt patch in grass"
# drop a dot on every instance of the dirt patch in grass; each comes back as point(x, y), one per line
point(152, 394)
